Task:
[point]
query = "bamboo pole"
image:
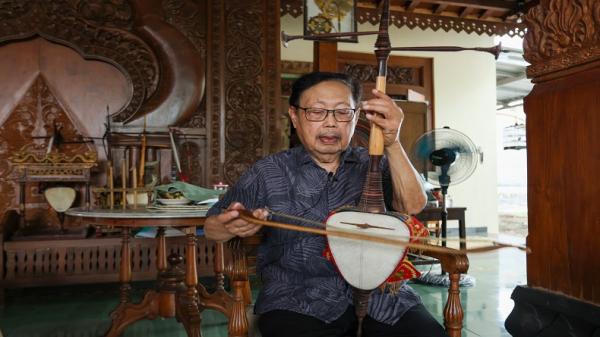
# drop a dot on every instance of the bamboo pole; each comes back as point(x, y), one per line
point(142, 156)
point(134, 182)
point(124, 184)
point(111, 187)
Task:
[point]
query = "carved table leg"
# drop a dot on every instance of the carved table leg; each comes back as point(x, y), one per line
point(219, 265)
point(125, 268)
point(453, 312)
point(171, 283)
point(220, 299)
point(161, 247)
point(231, 305)
point(238, 322)
point(187, 311)
point(127, 313)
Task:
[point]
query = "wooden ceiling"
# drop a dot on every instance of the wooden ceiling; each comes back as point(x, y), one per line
point(491, 17)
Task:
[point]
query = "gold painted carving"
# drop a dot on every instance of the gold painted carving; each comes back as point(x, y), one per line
point(29, 155)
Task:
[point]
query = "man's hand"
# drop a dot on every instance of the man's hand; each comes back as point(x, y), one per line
point(228, 224)
point(384, 112)
point(239, 227)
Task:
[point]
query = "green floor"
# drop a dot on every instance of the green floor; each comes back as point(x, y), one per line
point(82, 311)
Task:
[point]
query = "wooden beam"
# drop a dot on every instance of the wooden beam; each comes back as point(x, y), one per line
point(481, 4)
point(440, 8)
point(466, 11)
point(413, 4)
point(500, 5)
point(487, 14)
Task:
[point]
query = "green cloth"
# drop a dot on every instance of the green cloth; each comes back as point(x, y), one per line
point(191, 192)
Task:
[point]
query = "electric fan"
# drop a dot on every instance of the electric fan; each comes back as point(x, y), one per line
point(445, 156)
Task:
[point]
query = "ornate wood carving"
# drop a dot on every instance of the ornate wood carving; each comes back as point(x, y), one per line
point(561, 34)
point(368, 73)
point(445, 23)
point(292, 7)
point(428, 17)
point(106, 13)
point(216, 149)
point(65, 22)
point(243, 94)
point(273, 79)
point(296, 67)
point(36, 114)
point(245, 87)
point(189, 17)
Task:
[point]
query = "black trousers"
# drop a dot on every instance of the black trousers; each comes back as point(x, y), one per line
point(416, 322)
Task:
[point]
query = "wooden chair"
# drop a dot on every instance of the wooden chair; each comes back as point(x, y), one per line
point(231, 259)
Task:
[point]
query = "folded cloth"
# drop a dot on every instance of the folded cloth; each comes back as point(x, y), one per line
point(189, 191)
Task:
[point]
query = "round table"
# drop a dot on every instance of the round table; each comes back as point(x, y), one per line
point(174, 296)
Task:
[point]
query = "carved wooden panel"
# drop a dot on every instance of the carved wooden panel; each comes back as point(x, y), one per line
point(189, 17)
point(478, 17)
point(34, 263)
point(86, 87)
point(244, 89)
point(36, 114)
point(67, 22)
point(562, 34)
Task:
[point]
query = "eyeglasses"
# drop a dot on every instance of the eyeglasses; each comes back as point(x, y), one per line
point(320, 114)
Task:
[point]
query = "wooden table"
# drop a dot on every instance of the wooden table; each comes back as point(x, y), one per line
point(454, 213)
point(178, 293)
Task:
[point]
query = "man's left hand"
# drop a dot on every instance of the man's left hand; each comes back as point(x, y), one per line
point(384, 112)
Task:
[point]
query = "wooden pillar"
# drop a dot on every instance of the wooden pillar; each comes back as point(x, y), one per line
point(563, 149)
point(325, 56)
point(563, 159)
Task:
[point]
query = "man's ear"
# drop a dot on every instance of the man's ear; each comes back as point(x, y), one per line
point(293, 115)
point(357, 116)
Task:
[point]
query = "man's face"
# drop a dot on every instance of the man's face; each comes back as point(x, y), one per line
point(324, 140)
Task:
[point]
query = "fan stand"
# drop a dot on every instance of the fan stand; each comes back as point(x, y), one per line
point(443, 279)
point(444, 179)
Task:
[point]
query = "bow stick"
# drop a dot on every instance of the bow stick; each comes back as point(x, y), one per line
point(459, 240)
point(247, 216)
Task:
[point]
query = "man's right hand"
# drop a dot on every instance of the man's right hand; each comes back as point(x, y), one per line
point(228, 224)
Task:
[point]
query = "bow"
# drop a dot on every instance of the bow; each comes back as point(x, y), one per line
point(246, 215)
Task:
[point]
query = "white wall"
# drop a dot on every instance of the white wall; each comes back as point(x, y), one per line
point(464, 99)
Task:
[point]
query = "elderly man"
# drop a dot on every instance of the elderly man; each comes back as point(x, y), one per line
point(303, 294)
